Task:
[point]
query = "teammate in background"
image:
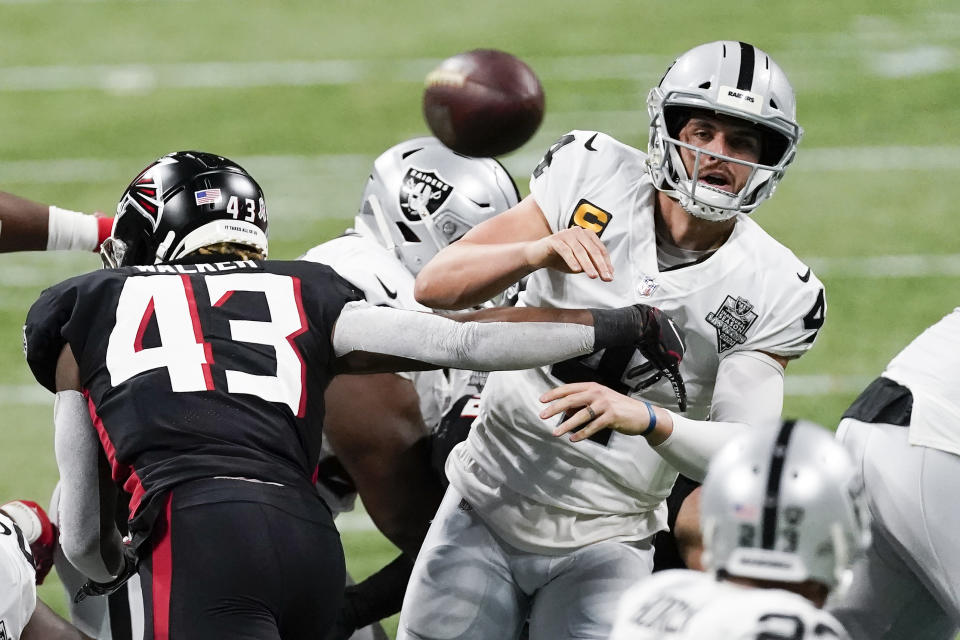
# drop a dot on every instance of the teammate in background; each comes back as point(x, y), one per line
point(420, 196)
point(904, 434)
point(782, 512)
point(31, 226)
point(195, 368)
point(27, 542)
point(557, 528)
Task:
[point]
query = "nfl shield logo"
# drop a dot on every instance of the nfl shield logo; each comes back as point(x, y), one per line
point(647, 286)
point(422, 194)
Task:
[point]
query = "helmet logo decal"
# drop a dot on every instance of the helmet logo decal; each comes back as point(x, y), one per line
point(207, 196)
point(422, 194)
point(145, 194)
point(740, 99)
point(732, 320)
point(590, 217)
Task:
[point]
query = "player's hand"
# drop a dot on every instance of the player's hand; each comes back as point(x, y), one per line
point(572, 250)
point(40, 533)
point(590, 407)
point(663, 346)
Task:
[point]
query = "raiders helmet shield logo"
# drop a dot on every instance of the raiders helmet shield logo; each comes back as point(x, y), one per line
point(732, 320)
point(422, 194)
point(590, 217)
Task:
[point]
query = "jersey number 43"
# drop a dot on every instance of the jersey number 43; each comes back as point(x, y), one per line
point(170, 301)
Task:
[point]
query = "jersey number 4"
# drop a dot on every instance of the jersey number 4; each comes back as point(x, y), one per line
point(169, 299)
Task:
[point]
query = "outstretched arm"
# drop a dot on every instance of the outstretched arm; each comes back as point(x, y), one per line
point(370, 339)
point(30, 226)
point(500, 251)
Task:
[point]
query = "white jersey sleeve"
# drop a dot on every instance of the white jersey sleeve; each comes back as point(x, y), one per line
point(568, 169)
point(688, 605)
point(18, 590)
point(930, 367)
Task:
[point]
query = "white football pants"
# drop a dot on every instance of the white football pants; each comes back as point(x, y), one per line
point(908, 586)
point(469, 584)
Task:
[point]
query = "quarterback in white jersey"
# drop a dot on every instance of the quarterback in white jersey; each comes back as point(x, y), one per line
point(606, 223)
point(782, 512)
point(904, 433)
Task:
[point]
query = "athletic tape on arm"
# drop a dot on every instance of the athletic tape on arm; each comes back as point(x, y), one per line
point(481, 346)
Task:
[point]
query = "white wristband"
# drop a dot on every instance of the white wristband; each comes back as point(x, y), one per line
point(71, 231)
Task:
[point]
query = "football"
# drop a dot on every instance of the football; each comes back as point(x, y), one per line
point(483, 102)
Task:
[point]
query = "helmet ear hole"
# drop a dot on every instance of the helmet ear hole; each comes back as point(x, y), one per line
point(407, 233)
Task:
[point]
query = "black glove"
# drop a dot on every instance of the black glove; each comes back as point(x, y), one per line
point(663, 345)
point(652, 332)
point(92, 588)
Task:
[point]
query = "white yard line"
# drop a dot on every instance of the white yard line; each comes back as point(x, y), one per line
point(876, 58)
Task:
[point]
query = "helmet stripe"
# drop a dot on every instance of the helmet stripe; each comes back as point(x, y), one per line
point(747, 56)
point(772, 500)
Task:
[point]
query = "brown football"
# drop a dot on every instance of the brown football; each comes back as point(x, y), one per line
point(483, 102)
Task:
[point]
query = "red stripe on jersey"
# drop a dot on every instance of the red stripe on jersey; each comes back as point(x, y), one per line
point(302, 411)
point(144, 321)
point(198, 332)
point(121, 473)
point(223, 299)
point(161, 563)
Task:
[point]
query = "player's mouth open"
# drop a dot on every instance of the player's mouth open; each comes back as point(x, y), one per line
point(717, 181)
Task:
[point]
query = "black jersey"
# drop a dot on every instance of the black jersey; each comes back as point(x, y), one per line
point(197, 371)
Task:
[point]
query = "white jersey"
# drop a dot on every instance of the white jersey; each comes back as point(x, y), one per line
point(370, 267)
point(18, 590)
point(546, 494)
point(930, 367)
point(690, 605)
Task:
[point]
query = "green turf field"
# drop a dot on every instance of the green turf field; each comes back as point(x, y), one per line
point(305, 94)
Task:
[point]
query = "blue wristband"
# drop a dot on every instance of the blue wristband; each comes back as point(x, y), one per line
point(653, 421)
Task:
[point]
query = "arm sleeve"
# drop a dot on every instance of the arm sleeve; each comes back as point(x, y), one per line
point(481, 346)
point(749, 390)
point(89, 541)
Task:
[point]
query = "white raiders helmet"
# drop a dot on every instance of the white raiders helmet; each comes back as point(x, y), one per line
point(421, 196)
point(782, 502)
point(732, 78)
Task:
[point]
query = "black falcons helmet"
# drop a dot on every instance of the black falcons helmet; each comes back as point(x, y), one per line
point(182, 202)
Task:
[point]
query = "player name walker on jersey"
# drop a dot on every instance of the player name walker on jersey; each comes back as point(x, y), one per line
point(228, 362)
point(689, 605)
point(751, 294)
